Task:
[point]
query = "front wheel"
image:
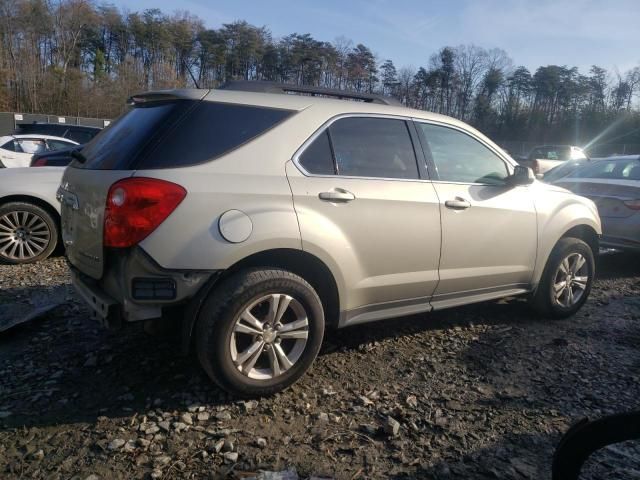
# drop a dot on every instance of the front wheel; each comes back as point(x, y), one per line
point(259, 331)
point(566, 280)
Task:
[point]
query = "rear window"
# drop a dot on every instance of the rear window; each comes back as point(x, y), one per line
point(610, 170)
point(177, 134)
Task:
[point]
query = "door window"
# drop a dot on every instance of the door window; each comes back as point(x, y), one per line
point(373, 147)
point(31, 145)
point(317, 157)
point(458, 157)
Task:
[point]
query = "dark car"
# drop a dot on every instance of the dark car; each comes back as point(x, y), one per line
point(60, 158)
point(77, 133)
point(614, 185)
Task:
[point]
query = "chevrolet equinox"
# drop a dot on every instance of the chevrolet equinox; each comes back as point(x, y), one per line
point(259, 219)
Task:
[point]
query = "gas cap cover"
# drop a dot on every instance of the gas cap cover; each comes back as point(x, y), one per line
point(235, 226)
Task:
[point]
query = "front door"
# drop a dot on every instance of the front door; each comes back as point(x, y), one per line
point(489, 228)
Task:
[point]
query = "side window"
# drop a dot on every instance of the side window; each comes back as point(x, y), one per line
point(8, 146)
point(373, 147)
point(459, 157)
point(317, 157)
point(31, 145)
point(58, 145)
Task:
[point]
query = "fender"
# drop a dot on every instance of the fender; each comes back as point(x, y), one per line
point(556, 218)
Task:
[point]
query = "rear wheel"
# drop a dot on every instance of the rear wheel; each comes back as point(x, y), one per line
point(259, 331)
point(28, 233)
point(566, 280)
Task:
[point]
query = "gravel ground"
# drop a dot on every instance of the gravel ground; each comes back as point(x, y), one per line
point(483, 391)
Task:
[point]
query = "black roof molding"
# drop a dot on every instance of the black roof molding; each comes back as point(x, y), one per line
point(274, 87)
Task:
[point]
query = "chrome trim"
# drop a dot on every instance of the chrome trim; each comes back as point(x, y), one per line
point(327, 124)
point(296, 156)
point(383, 311)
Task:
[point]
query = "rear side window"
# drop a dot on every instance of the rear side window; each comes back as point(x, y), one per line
point(611, 170)
point(209, 131)
point(317, 158)
point(9, 146)
point(118, 146)
point(177, 134)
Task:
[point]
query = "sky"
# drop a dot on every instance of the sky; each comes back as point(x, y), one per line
point(533, 32)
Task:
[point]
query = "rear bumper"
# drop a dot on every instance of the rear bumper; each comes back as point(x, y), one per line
point(126, 291)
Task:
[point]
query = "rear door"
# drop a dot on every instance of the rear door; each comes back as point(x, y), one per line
point(489, 229)
point(363, 202)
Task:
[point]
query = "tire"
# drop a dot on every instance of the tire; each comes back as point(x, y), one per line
point(222, 334)
point(28, 233)
point(564, 304)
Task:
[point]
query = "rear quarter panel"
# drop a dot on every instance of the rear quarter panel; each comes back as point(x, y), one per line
point(41, 183)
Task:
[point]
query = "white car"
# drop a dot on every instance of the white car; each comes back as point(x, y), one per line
point(17, 150)
point(29, 213)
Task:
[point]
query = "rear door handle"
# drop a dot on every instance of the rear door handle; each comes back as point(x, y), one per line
point(457, 204)
point(337, 195)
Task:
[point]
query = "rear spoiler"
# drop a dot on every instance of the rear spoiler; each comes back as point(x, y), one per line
point(167, 95)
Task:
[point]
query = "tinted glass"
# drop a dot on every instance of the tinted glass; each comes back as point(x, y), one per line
point(563, 170)
point(81, 136)
point(118, 146)
point(317, 157)
point(373, 147)
point(208, 131)
point(8, 146)
point(461, 158)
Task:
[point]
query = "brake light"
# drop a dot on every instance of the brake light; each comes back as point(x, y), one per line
point(633, 204)
point(136, 207)
point(40, 162)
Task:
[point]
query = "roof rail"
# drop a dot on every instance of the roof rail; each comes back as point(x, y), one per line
point(260, 86)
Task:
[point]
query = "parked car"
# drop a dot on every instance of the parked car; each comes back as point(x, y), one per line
point(29, 213)
point(564, 169)
point(18, 150)
point(288, 214)
point(546, 157)
point(78, 133)
point(613, 183)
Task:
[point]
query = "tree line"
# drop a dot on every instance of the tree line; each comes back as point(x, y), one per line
point(82, 58)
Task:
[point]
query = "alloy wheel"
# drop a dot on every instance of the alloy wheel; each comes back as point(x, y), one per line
point(23, 235)
point(269, 336)
point(571, 280)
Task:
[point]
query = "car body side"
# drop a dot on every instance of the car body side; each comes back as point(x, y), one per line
point(257, 178)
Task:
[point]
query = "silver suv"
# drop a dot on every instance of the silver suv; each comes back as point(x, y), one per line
point(258, 220)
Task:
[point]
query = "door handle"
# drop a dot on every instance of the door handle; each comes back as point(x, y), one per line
point(337, 195)
point(457, 204)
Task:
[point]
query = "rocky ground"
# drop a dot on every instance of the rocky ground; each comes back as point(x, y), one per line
point(478, 392)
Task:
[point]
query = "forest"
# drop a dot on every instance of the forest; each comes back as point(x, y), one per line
point(84, 58)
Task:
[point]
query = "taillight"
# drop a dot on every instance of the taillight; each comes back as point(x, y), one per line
point(135, 208)
point(633, 204)
point(40, 162)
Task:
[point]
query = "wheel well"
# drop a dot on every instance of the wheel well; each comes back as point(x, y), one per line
point(304, 264)
point(587, 234)
point(35, 201)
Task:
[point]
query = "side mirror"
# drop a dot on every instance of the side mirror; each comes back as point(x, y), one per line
point(521, 176)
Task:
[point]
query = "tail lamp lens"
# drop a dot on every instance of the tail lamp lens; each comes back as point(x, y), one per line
point(136, 207)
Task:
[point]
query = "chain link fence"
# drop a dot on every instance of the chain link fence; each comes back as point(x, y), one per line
point(10, 120)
